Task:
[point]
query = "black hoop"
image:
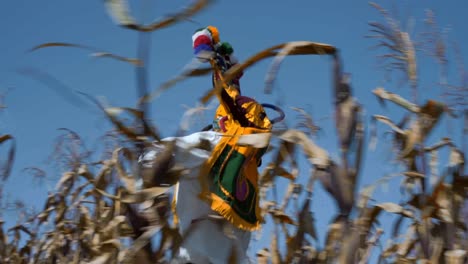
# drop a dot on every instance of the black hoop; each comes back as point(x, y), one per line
point(278, 110)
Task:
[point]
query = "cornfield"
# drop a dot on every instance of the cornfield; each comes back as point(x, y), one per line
point(93, 215)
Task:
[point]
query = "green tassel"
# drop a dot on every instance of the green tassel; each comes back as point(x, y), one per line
point(225, 49)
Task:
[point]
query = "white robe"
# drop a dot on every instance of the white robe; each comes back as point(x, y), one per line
point(207, 241)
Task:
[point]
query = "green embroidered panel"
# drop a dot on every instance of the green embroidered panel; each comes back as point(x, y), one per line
point(242, 196)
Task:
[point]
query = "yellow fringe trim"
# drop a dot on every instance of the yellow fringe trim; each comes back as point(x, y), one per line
point(224, 209)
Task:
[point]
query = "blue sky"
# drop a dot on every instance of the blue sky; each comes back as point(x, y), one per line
point(35, 112)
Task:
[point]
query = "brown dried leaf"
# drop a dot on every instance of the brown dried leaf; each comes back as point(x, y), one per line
point(162, 171)
point(130, 133)
point(113, 225)
point(6, 168)
point(138, 244)
point(271, 171)
point(385, 95)
point(400, 48)
point(389, 122)
point(456, 157)
point(128, 180)
point(133, 61)
point(96, 53)
point(119, 11)
point(286, 50)
point(168, 84)
point(263, 255)
point(306, 221)
point(276, 255)
point(260, 140)
point(143, 195)
point(456, 256)
point(281, 217)
point(102, 258)
point(316, 155)
point(365, 195)
point(307, 121)
point(443, 142)
point(405, 248)
point(334, 236)
point(58, 44)
point(347, 118)
point(296, 48)
point(395, 208)
point(67, 176)
point(414, 174)
point(390, 250)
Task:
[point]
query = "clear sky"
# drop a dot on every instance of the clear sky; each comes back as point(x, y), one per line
point(35, 112)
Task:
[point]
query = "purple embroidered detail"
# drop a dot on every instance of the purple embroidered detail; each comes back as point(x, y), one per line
point(242, 189)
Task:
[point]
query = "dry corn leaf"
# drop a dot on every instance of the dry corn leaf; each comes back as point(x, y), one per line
point(306, 220)
point(395, 209)
point(119, 11)
point(346, 121)
point(389, 122)
point(270, 172)
point(58, 44)
point(5, 168)
point(263, 255)
point(162, 170)
point(408, 244)
point(22, 228)
point(382, 94)
point(401, 50)
point(143, 195)
point(365, 195)
point(286, 50)
point(305, 226)
point(429, 116)
point(129, 132)
point(338, 183)
point(285, 151)
point(112, 113)
point(423, 238)
point(335, 234)
point(368, 217)
point(295, 48)
point(306, 121)
point(316, 155)
point(260, 140)
point(287, 196)
point(128, 180)
point(96, 53)
point(139, 243)
point(414, 174)
point(281, 217)
point(350, 248)
point(101, 259)
point(275, 255)
point(101, 180)
point(67, 176)
point(456, 256)
point(170, 83)
point(370, 244)
point(437, 244)
point(133, 61)
point(389, 251)
point(113, 224)
point(456, 157)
